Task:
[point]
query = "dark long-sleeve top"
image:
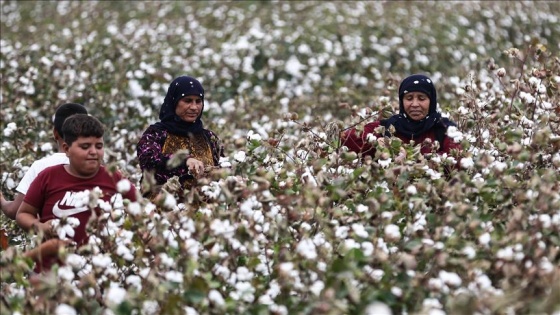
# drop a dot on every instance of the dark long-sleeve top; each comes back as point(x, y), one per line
point(151, 157)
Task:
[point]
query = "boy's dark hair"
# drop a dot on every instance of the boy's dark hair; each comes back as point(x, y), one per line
point(81, 125)
point(64, 111)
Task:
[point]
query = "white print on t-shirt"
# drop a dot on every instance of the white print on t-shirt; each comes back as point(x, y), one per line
point(68, 204)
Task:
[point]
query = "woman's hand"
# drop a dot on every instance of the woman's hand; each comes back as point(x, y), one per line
point(196, 167)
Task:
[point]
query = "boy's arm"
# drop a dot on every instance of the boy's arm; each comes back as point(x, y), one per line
point(27, 219)
point(10, 208)
point(46, 250)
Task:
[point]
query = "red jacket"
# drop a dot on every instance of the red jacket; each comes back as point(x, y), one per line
point(359, 143)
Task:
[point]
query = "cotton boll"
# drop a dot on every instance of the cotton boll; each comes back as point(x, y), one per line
point(384, 163)
point(134, 281)
point(66, 273)
point(169, 202)
point(317, 287)
point(66, 230)
point(47, 147)
point(244, 291)
point(392, 233)
point(10, 129)
point(371, 138)
point(174, 276)
point(307, 249)
point(243, 274)
point(455, 134)
point(350, 244)
point(115, 295)
point(224, 162)
point(65, 309)
point(361, 208)
point(124, 186)
point(499, 166)
point(437, 284)
point(216, 297)
point(432, 303)
point(252, 136)
point(378, 308)
point(437, 312)
point(359, 230)
point(467, 163)
point(386, 215)
point(150, 308)
point(546, 266)
point(469, 252)
point(484, 239)
point(450, 278)
point(134, 208)
point(124, 252)
point(190, 311)
point(396, 291)
point(73, 222)
point(501, 72)
point(240, 156)
point(212, 190)
point(434, 175)
point(101, 261)
point(75, 261)
point(411, 190)
point(545, 220)
point(193, 248)
point(367, 248)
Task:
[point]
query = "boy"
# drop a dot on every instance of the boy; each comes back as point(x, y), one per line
point(54, 193)
point(10, 208)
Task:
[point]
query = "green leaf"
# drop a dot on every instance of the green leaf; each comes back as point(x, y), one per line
point(413, 244)
point(194, 296)
point(339, 265)
point(242, 260)
point(125, 308)
point(355, 255)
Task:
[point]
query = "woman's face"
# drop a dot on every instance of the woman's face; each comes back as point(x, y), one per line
point(189, 108)
point(416, 105)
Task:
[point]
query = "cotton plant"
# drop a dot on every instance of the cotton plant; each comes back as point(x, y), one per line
point(64, 228)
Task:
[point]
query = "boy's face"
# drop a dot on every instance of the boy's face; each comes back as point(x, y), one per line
point(85, 154)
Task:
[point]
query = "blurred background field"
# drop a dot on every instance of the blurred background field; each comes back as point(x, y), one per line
point(253, 57)
point(288, 72)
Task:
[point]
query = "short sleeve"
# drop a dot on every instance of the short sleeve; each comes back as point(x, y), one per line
point(35, 195)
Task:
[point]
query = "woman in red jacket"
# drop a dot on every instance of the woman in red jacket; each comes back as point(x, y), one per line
point(418, 120)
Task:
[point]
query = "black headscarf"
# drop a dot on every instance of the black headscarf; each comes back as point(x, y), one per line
point(179, 88)
point(413, 128)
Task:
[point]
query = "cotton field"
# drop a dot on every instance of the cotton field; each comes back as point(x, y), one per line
point(292, 222)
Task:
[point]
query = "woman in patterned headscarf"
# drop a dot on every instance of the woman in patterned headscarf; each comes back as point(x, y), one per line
point(418, 120)
point(180, 128)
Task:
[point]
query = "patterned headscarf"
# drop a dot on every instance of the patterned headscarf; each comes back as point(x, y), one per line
point(179, 88)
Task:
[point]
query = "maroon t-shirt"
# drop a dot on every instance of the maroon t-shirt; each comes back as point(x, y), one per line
point(54, 192)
